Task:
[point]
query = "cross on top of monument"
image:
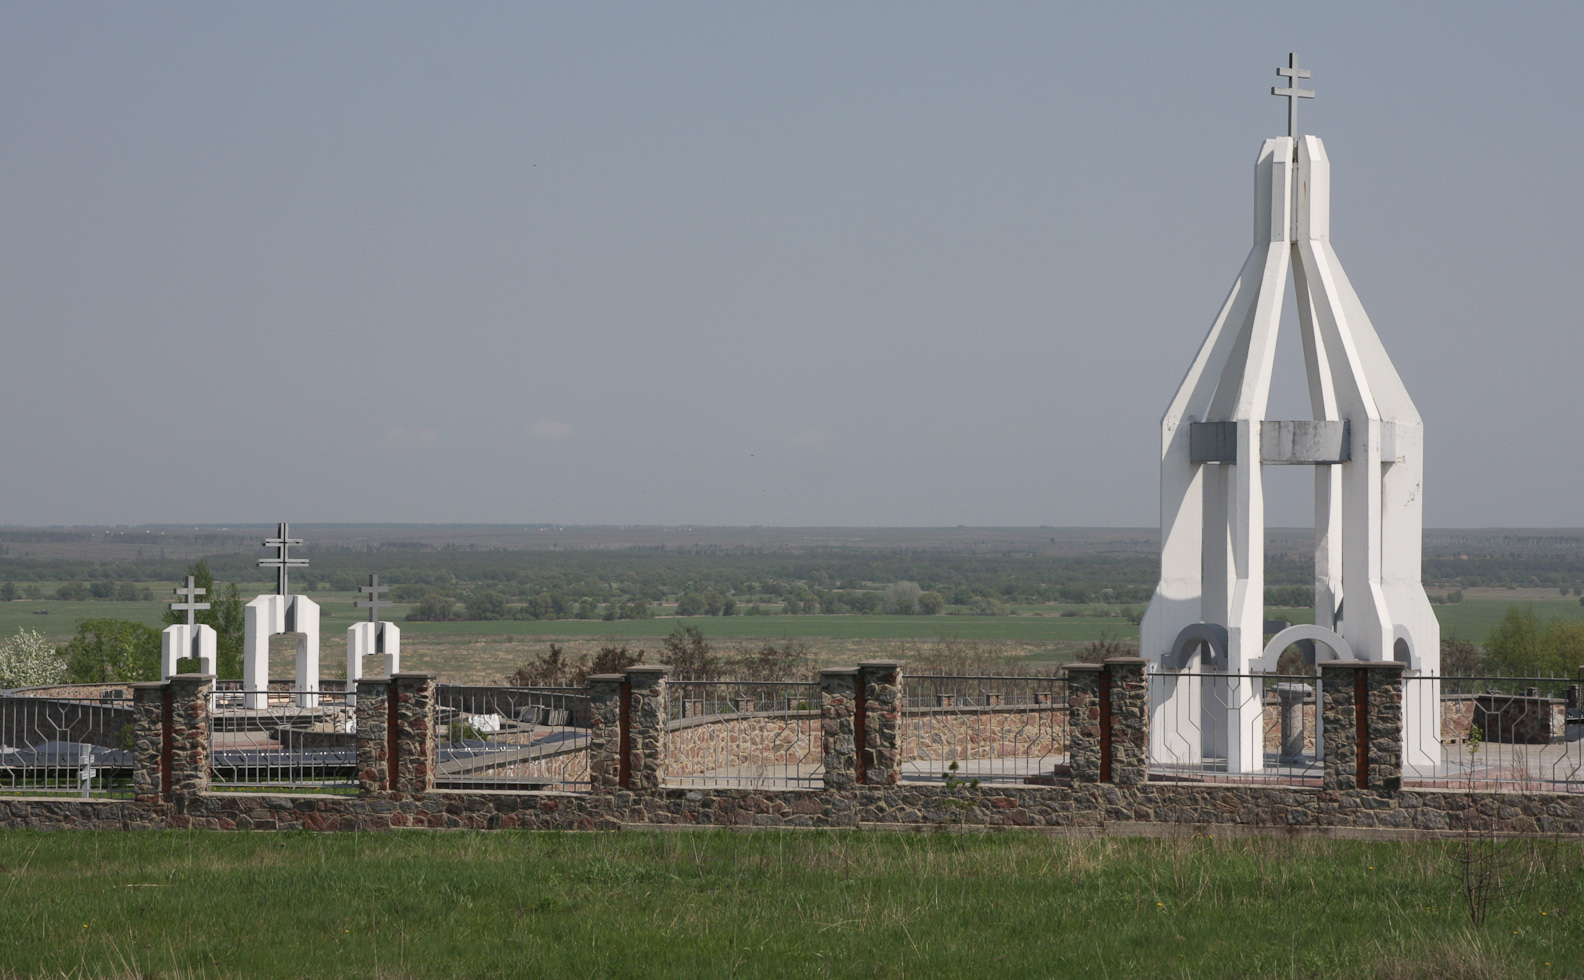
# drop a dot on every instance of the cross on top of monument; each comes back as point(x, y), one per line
point(190, 607)
point(1292, 73)
point(373, 603)
point(282, 561)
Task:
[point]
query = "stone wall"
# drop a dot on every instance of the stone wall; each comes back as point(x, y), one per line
point(1519, 719)
point(1116, 808)
point(941, 735)
point(749, 746)
point(397, 789)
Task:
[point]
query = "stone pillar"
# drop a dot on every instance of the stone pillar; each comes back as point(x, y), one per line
point(374, 730)
point(880, 686)
point(605, 731)
point(838, 738)
point(150, 742)
point(1083, 722)
point(412, 770)
point(646, 727)
point(1362, 723)
point(189, 738)
point(1292, 697)
point(1128, 691)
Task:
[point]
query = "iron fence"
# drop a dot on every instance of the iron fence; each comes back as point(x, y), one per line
point(512, 738)
point(743, 733)
point(1235, 728)
point(282, 738)
point(994, 728)
point(1515, 734)
point(54, 746)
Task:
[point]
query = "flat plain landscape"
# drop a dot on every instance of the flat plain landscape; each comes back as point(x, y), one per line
point(1040, 594)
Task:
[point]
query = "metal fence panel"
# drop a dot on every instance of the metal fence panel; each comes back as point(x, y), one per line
point(66, 746)
point(512, 738)
point(744, 733)
point(1192, 715)
point(1514, 734)
point(281, 738)
point(994, 728)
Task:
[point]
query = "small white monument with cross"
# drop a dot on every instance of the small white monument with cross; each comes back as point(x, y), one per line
point(269, 615)
point(373, 637)
point(1365, 443)
point(189, 639)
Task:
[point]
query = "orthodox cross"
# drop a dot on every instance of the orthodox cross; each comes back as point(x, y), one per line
point(282, 560)
point(373, 603)
point(190, 607)
point(1292, 73)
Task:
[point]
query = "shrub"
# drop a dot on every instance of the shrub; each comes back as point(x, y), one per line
point(901, 598)
point(112, 650)
point(433, 608)
point(689, 654)
point(29, 660)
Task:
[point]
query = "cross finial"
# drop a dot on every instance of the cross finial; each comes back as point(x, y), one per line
point(1292, 73)
point(190, 607)
point(282, 559)
point(373, 603)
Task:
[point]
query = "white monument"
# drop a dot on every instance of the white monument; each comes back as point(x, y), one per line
point(189, 639)
point(282, 612)
point(373, 637)
point(1365, 443)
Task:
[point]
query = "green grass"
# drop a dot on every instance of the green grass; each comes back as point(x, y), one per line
point(1473, 619)
point(1470, 619)
point(771, 904)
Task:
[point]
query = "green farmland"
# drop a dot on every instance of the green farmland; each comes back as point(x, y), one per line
point(1470, 619)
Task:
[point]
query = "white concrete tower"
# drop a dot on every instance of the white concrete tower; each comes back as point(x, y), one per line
point(269, 615)
point(1365, 442)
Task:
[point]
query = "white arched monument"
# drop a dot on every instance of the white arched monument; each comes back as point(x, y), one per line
point(189, 639)
point(1365, 442)
point(282, 612)
point(375, 637)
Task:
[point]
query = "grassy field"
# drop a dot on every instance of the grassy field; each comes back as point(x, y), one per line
point(1470, 619)
point(773, 904)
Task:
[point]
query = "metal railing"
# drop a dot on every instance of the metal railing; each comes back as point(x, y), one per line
point(994, 727)
point(512, 738)
point(66, 746)
point(1234, 728)
point(744, 733)
point(281, 738)
point(1513, 734)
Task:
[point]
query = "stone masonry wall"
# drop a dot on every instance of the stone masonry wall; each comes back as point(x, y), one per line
point(882, 692)
point(941, 735)
point(1083, 721)
point(414, 769)
point(906, 805)
point(646, 713)
point(1129, 720)
point(373, 735)
point(148, 745)
point(838, 736)
point(1081, 805)
point(748, 745)
point(189, 733)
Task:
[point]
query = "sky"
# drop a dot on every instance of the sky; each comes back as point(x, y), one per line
point(799, 264)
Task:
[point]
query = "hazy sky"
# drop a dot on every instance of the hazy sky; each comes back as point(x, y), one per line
point(845, 263)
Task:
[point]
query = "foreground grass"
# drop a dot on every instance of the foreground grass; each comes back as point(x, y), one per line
point(763, 905)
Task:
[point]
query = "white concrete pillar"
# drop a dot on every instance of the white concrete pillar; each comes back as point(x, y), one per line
point(265, 617)
point(181, 640)
point(370, 639)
